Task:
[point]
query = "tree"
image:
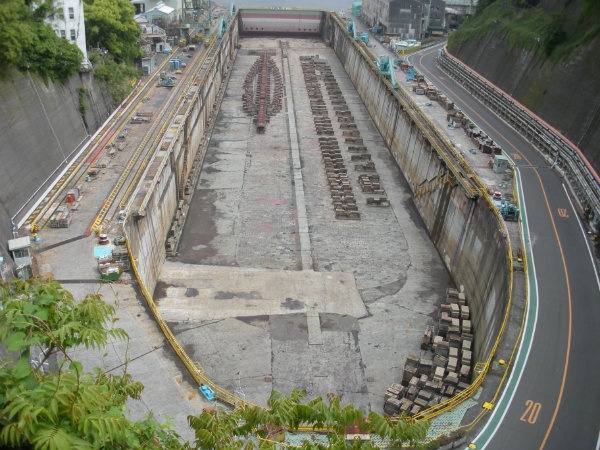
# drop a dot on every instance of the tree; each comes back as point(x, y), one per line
point(30, 44)
point(68, 408)
point(15, 31)
point(233, 430)
point(50, 56)
point(109, 24)
point(65, 408)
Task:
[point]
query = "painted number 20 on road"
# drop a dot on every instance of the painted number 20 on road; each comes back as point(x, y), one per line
point(532, 411)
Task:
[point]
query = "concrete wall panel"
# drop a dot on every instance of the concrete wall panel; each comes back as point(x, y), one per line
point(41, 127)
point(159, 201)
point(565, 95)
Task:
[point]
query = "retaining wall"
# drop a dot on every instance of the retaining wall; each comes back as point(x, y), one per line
point(41, 127)
point(565, 156)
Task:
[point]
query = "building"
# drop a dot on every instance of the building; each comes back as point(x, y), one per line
point(169, 19)
point(67, 22)
point(185, 11)
point(178, 6)
point(20, 250)
point(161, 15)
point(464, 7)
point(436, 24)
point(407, 19)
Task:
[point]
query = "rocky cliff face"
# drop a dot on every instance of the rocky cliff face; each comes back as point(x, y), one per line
point(41, 126)
point(565, 94)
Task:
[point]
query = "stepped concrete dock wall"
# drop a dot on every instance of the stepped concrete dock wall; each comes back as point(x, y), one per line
point(161, 200)
point(465, 230)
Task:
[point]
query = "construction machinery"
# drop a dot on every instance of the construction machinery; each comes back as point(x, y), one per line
point(509, 212)
point(386, 68)
point(222, 27)
point(364, 36)
point(165, 82)
point(351, 28)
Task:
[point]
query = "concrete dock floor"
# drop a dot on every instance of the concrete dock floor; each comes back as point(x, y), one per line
point(241, 298)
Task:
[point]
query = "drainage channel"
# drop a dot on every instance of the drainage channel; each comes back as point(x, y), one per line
point(305, 246)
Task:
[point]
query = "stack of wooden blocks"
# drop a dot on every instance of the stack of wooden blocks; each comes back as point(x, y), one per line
point(445, 367)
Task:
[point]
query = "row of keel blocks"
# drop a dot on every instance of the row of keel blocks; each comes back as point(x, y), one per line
point(344, 203)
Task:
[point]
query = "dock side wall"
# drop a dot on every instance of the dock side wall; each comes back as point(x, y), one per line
point(466, 231)
point(163, 194)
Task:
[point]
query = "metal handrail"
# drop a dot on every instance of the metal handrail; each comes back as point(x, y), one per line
point(583, 178)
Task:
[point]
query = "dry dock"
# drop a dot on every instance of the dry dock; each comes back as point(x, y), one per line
point(242, 296)
point(304, 260)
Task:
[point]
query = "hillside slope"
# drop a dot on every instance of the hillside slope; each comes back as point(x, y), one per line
point(546, 56)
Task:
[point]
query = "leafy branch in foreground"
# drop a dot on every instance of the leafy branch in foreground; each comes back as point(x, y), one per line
point(65, 408)
point(69, 408)
point(252, 427)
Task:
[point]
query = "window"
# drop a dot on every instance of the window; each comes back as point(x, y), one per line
point(71, 13)
point(73, 35)
point(63, 34)
point(21, 253)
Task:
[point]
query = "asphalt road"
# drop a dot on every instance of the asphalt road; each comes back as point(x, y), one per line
point(551, 399)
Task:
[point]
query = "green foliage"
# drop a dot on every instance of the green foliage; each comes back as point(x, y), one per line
point(235, 429)
point(15, 31)
point(562, 42)
point(555, 34)
point(69, 408)
point(432, 445)
point(50, 56)
point(482, 5)
point(42, 313)
point(66, 408)
point(522, 28)
point(29, 44)
point(83, 106)
point(109, 24)
point(116, 77)
point(526, 3)
point(95, 58)
point(525, 24)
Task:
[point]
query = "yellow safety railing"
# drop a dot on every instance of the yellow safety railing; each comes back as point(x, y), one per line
point(194, 368)
point(483, 367)
point(473, 188)
point(433, 185)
